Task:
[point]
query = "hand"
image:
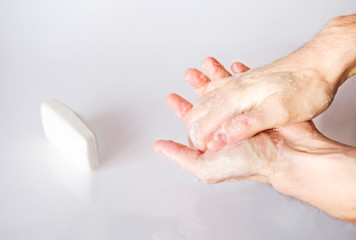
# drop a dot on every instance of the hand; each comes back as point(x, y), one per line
point(296, 160)
point(293, 89)
point(234, 108)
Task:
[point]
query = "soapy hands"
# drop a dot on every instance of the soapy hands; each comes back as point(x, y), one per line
point(233, 108)
point(296, 160)
point(292, 89)
point(254, 158)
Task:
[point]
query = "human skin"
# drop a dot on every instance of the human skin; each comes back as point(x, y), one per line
point(293, 89)
point(296, 160)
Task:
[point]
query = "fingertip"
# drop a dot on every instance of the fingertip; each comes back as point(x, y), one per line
point(196, 79)
point(188, 74)
point(178, 105)
point(170, 98)
point(171, 101)
point(180, 154)
point(209, 61)
point(156, 145)
point(166, 147)
point(234, 68)
point(215, 69)
point(238, 67)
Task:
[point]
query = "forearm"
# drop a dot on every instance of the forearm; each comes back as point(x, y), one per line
point(332, 52)
point(327, 180)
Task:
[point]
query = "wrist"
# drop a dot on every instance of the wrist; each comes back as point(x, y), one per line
point(332, 52)
point(324, 178)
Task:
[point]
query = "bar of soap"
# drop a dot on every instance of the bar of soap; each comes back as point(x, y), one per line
point(70, 134)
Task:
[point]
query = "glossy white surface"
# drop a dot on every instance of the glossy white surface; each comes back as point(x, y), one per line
point(121, 59)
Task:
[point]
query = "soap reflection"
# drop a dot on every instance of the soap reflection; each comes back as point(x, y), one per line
point(115, 133)
point(71, 177)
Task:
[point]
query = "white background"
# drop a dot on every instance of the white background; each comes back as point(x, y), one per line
point(114, 62)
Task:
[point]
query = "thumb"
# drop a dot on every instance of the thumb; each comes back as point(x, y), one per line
point(244, 126)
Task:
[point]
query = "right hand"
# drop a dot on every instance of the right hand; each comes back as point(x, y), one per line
point(233, 108)
point(293, 89)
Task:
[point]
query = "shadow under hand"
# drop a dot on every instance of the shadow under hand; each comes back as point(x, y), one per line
point(338, 122)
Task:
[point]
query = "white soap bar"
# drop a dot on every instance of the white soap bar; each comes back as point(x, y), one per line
point(70, 134)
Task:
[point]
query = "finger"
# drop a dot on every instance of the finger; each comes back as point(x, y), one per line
point(205, 122)
point(243, 126)
point(214, 69)
point(233, 131)
point(238, 67)
point(217, 140)
point(197, 80)
point(180, 154)
point(179, 105)
point(201, 108)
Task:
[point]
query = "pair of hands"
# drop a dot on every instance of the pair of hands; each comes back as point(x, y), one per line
point(256, 124)
point(296, 160)
point(233, 108)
